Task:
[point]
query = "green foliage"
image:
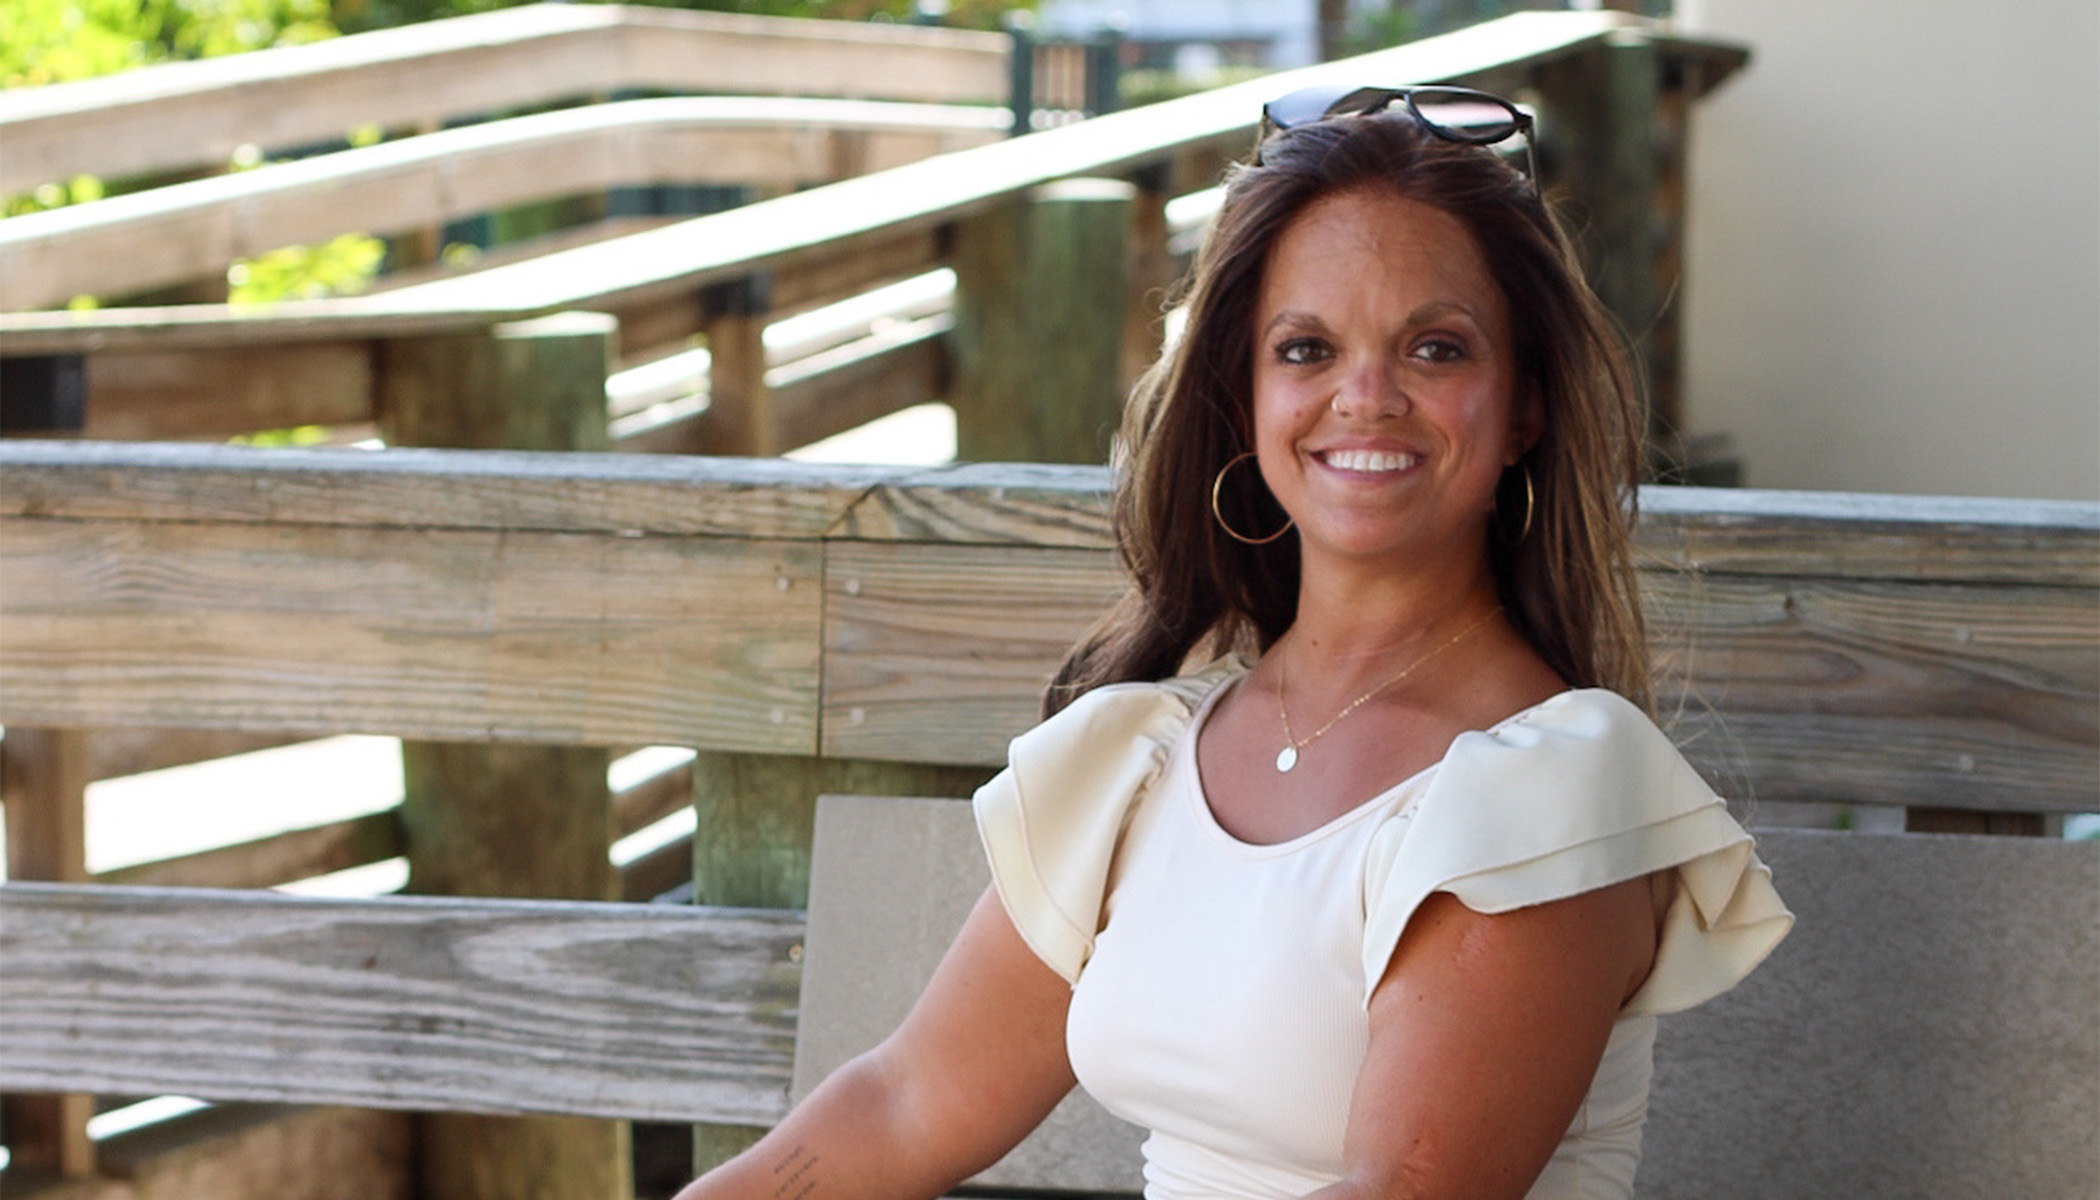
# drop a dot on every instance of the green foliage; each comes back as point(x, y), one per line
point(56, 41)
point(53, 41)
point(301, 435)
point(333, 268)
point(1144, 86)
point(1377, 28)
point(78, 190)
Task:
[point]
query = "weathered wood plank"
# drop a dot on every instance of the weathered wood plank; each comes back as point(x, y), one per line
point(1019, 504)
point(648, 1012)
point(174, 234)
point(337, 846)
point(269, 861)
point(1861, 535)
point(1971, 696)
point(1888, 693)
point(468, 636)
point(431, 489)
point(1740, 531)
point(939, 653)
point(187, 114)
point(851, 385)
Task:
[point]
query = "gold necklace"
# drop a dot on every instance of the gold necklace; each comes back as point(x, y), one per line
point(1288, 756)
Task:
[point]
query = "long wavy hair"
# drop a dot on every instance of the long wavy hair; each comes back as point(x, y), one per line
point(1567, 583)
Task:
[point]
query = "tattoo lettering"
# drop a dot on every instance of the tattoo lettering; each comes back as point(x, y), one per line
point(794, 1175)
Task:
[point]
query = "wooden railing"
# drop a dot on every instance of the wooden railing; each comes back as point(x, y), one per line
point(1927, 653)
point(417, 77)
point(1869, 649)
point(192, 230)
point(725, 276)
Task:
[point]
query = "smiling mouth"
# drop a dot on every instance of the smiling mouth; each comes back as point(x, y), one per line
point(1367, 460)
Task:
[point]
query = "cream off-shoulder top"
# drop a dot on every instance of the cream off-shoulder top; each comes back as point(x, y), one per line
point(1220, 987)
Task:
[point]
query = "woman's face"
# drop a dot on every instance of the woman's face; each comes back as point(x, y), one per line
point(1384, 381)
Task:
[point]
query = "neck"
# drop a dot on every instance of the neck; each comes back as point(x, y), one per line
point(1352, 626)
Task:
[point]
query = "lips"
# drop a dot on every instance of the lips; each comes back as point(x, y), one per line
point(1367, 460)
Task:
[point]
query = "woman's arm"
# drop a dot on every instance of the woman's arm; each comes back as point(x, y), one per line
point(978, 1064)
point(1485, 1034)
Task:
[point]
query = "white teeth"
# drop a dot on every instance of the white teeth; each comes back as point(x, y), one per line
point(1368, 460)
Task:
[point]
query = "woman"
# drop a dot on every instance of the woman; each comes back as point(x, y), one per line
point(1389, 912)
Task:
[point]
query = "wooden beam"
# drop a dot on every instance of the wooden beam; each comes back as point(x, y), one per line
point(340, 845)
point(217, 392)
point(270, 861)
point(854, 384)
point(186, 231)
point(644, 1012)
point(118, 752)
point(189, 114)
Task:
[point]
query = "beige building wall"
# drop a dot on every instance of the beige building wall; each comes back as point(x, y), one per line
point(1893, 264)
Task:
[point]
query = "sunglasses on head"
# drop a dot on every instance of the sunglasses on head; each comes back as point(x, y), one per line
point(1455, 114)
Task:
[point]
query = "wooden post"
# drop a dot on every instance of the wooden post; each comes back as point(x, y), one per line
point(751, 848)
point(740, 418)
point(44, 775)
point(1040, 292)
point(43, 781)
point(509, 820)
point(1599, 135)
point(1149, 277)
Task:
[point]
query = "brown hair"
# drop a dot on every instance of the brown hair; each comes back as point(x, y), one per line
point(1567, 583)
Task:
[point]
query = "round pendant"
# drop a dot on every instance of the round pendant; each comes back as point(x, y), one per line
point(1287, 758)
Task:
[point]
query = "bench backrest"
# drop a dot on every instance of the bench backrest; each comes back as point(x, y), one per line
point(1928, 1029)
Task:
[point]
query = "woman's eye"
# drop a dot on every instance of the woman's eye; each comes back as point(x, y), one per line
point(1439, 350)
point(1300, 351)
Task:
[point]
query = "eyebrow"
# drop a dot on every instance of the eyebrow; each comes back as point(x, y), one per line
point(1422, 315)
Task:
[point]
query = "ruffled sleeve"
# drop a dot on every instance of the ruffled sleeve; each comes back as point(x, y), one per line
point(1051, 820)
point(1578, 793)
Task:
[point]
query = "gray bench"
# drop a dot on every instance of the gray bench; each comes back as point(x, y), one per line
point(1931, 1028)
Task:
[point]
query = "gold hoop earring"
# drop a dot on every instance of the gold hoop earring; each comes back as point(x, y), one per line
point(1530, 503)
point(1218, 485)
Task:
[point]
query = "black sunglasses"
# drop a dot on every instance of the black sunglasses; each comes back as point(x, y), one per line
point(1455, 114)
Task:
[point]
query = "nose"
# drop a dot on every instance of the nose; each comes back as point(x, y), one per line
point(1368, 392)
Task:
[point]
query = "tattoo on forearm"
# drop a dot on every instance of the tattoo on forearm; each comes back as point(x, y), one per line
point(794, 1175)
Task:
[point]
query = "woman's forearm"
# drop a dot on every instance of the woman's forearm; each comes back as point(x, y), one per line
point(847, 1141)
